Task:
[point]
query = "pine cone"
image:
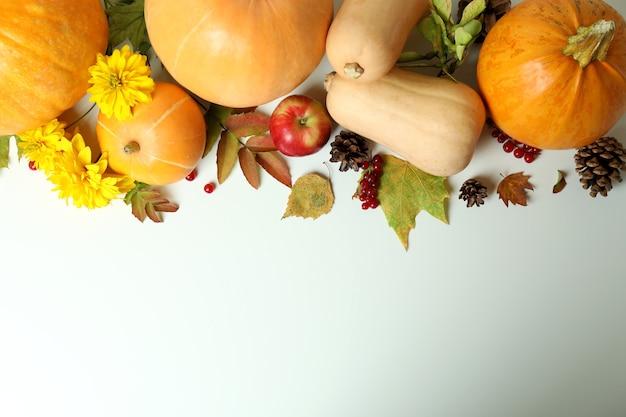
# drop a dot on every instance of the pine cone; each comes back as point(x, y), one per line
point(350, 149)
point(493, 12)
point(473, 192)
point(599, 164)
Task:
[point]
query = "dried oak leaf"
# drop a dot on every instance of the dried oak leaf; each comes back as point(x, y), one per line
point(513, 188)
point(311, 196)
point(404, 191)
point(146, 202)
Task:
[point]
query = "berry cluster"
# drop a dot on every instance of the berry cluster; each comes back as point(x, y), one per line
point(370, 180)
point(510, 145)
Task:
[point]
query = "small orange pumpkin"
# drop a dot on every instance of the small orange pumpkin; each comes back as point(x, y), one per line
point(553, 72)
point(239, 53)
point(46, 48)
point(163, 141)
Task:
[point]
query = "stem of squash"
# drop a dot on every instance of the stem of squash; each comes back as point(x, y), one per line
point(591, 43)
point(132, 147)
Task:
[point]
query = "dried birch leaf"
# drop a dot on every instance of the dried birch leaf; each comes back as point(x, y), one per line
point(311, 196)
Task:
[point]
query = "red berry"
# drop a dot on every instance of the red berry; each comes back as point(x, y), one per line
point(502, 138)
point(495, 133)
point(508, 146)
point(529, 157)
point(377, 166)
point(31, 165)
point(365, 165)
point(209, 188)
point(373, 203)
point(365, 205)
point(192, 175)
point(518, 152)
point(377, 158)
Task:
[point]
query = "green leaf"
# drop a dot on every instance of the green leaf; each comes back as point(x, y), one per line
point(214, 119)
point(427, 28)
point(248, 165)
point(472, 11)
point(227, 154)
point(147, 202)
point(311, 196)
point(443, 8)
point(404, 191)
point(4, 150)
point(275, 165)
point(126, 21)
point(247, 124)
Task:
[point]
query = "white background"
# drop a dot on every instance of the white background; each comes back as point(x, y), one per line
point(226, 310)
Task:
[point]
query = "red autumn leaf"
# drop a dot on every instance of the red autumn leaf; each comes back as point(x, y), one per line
point(275, 165)
point(513, 188)
point(248, 165)
point(247, 124)
point(261, 143)
point(227, 150)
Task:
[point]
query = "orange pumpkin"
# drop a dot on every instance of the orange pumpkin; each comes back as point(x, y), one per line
point(163, 141)
point(553, 72)
point(239, 53)
point(46, 48)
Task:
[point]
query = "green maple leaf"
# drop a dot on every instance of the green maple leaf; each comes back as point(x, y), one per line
point(146, 202)
point(404, 191)
point(126, 21)
point(4, 151)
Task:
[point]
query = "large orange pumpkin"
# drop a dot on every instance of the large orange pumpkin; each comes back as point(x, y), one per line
point(534, 75)
point(46, 48)
point(239, 53)
point(163, 141)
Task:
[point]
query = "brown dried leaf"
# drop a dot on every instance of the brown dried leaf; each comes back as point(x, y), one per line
point(247, 124)
point(513, 188)
point(275, 165)
point(227, 150)
point(248, 165)
point(560, 183)
point(311, 196)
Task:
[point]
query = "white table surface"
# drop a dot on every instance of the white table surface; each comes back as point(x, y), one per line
point(226, 310)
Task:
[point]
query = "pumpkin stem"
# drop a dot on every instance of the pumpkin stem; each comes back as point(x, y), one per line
point(591, 43)
point(132, 147)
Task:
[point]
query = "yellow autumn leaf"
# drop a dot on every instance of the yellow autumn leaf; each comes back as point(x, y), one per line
point(311, 196)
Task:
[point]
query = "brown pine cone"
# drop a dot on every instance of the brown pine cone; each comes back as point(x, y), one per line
point(473, 192)
point(350, 149)
point(599, 164)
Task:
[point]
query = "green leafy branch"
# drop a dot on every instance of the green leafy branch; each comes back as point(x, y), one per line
point(450, 40)
point(127, 22)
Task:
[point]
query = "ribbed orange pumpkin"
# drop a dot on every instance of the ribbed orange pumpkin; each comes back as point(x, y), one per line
point(239, 53)
point(161, 143)
point(46, 47)
point(538, 87)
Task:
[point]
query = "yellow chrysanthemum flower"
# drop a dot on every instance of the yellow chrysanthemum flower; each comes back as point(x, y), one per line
point(43, 144)
point(87, 183)
point(120, 81)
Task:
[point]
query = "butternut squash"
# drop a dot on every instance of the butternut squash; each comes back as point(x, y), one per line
point(433, 123)
point(366, 37)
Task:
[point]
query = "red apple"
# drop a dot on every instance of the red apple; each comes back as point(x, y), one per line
point(300, 125)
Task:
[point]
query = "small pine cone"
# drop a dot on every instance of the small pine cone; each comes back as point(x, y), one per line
point(350, 149)
point(494, 10)
point(473, 192)
point(599, 164)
